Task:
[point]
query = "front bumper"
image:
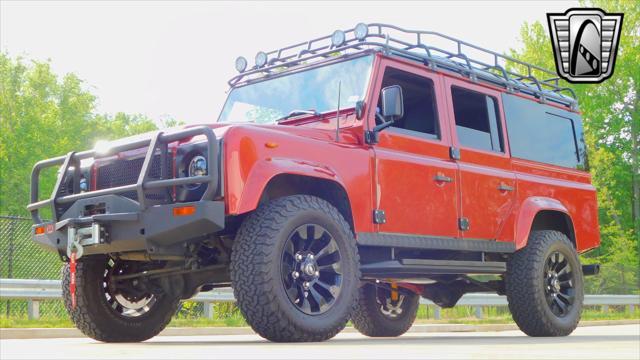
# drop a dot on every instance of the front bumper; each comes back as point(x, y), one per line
point(157, 230)
point(104, 221)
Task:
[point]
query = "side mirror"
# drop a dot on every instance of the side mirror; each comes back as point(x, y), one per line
point(392, 103)
point(392, 110)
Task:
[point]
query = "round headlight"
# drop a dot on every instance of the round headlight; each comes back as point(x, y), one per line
point(261, 59)
point(241, 64)
point(197, 166)
point(337, 38)
point(361, 31)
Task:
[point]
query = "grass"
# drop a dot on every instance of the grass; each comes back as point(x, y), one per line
point(459, 315)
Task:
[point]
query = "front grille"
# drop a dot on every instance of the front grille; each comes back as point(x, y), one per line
point(126, 171)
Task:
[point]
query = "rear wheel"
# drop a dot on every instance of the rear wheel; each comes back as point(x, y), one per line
point(114, 311)
point(544, 285)
point(294, 270)
point(378, 314)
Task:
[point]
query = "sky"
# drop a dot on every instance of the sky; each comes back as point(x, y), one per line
point(169, 59)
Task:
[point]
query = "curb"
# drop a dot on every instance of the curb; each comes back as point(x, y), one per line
point(54, 333)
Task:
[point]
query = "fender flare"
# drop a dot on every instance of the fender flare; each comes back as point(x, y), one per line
point(264, 171)
point(528, 211)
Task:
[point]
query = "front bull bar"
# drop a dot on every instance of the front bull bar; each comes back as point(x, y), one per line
point(159, 141)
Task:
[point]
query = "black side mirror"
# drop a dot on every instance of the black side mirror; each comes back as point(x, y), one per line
point(392, 110)
point(392, 103)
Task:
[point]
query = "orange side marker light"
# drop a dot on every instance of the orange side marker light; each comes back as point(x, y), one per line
point(184, 210)
point(39, 230)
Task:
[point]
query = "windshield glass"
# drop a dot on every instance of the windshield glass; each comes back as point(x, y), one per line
point(315, 89)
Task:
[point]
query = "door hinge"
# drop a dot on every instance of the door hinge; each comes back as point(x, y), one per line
point(463, 224)
point(379, 217)
point(454, 153)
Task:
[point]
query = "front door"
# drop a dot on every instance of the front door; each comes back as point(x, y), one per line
point(415, 181)
point(487, 184)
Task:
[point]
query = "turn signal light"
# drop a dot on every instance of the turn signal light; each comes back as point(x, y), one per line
point(40, 230)
point(184, 210)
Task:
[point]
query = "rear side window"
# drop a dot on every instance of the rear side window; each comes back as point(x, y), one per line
point(542, 133)
point(477, 120)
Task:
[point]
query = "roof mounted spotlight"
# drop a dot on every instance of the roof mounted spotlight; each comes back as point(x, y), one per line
point(241, 64)
point(361, 31)
point(337, 38)
point(261, 59)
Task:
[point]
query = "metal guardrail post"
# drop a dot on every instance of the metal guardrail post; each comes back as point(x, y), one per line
point(437, 312)
point(479, 312)
point(33, 309)
point(208, 309)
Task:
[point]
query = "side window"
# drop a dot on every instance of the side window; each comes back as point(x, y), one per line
point(541, 133)
point(420, 114)
point(477, 120)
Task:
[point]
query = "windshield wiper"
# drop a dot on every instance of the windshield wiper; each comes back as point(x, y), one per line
point(298, 113)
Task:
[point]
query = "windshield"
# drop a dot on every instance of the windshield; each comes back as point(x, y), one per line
point(315, 89)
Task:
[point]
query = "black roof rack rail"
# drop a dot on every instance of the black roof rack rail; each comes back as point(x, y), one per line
point(436, 50)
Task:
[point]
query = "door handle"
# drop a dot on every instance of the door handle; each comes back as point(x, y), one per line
point(441, 178)
point(505, 187)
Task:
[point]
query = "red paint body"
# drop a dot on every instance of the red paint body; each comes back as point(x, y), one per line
point(397, 174)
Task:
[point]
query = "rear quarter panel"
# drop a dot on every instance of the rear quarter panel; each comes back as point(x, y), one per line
point(556, 188)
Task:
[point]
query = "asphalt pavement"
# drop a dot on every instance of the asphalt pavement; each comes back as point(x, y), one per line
point(602, 342)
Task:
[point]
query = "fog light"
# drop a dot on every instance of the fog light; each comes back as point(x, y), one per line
point(361, 31)
point(261, 59)
point(241, 64)
point(337, 38)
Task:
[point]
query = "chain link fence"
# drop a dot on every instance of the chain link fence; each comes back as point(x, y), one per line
point(22, 258)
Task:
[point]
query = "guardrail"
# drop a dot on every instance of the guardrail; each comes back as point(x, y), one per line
point(35, 291)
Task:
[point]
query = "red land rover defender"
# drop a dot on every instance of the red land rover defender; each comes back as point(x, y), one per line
point(346, 177)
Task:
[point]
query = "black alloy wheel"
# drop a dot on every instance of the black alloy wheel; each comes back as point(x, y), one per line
point(559, 284)
point(123, 297)
point(311, 272)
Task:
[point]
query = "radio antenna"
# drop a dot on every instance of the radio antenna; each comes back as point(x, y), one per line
point(338, 113)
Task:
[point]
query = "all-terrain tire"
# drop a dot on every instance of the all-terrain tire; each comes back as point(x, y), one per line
point(256, 276)
point(97, 319)
point(525, 285)
point(369, 319)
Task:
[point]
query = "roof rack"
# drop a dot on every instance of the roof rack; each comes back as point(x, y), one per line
point(438, 51)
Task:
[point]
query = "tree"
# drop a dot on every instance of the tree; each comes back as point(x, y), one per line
point(611, 117)
point(42, 116)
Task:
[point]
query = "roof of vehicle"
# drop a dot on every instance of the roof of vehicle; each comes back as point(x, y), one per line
point(435, 50)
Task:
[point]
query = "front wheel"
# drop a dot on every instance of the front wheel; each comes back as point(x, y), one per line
point(379, 313)
point(294, 270)
point(544, 285)
point(114, 311)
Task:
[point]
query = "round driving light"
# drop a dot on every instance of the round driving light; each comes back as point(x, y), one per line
point(197, 166)
point(337, 38)
point(241, 64)
point(361, 31)
point(261, 59)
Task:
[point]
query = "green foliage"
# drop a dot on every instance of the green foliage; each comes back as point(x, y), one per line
point(611, 116)
point(43, 115)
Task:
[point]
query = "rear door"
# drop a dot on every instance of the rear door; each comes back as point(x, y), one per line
point(487, 183)
point(414, 178)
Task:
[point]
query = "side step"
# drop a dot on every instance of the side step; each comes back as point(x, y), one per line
point(419, 268)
